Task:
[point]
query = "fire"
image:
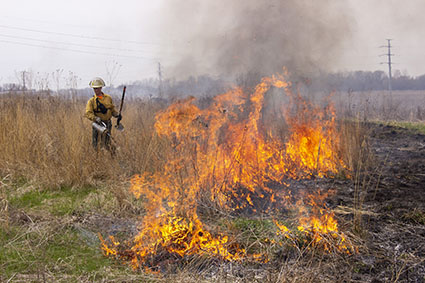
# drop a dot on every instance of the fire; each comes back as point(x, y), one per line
point(317, 224)
point(323, 230)
point(225, 153)
point(314, 141)
point(183, 237)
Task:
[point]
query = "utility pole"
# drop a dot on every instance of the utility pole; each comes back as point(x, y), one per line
point(389, 63)
point(23, 80)
point(160, 80)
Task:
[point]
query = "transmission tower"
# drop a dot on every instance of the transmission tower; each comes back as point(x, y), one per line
point(388, 54)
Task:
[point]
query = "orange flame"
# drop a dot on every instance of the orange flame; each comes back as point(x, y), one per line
point(323, 230)
point(223, 152)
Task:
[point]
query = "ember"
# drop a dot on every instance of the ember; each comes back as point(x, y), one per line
point(226, 152)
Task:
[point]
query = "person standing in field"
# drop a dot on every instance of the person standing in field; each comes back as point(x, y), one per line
point(100, 108)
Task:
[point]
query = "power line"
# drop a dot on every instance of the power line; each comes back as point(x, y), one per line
point(76, 50)
point(75, 35)
point(70, 43)
point(43, 22)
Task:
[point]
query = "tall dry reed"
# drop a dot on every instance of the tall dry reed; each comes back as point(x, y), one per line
point(47, 140)
point(359, 157)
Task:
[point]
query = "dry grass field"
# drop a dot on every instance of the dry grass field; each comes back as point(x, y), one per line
point(57, 195)
point(408, 106)
point(46, 139)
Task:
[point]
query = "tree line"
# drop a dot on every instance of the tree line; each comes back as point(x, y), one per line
point(369, 80)
point(206, 85)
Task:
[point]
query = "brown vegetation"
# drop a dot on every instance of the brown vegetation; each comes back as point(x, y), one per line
point(46, 140)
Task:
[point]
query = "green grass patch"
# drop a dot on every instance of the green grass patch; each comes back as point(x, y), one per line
point(252, 234)
point(253, 225)
point(58, 202)
point(30, 199)
point(416, 127)
point(65, 251)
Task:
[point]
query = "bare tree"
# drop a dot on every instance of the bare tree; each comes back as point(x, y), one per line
point(42, 81)
point(29, 79)
point(112, 70)
point(20, 77)
point(56, 76)
point(72, 84)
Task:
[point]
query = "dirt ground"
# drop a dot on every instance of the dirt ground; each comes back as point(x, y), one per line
point(393, 222)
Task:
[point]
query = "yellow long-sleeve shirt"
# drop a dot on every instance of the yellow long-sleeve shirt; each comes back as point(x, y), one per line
point(93, 111)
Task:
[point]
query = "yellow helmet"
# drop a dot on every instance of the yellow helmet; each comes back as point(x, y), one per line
point(96, 82)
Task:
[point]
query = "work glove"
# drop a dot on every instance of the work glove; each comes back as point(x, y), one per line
point(119, 117)
point(98, 120)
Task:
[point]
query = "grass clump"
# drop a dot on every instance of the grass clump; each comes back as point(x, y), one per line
point(416, 216)
point(255, 234)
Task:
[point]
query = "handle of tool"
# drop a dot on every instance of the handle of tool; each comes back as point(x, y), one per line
point(122, 98)
point(122, 102)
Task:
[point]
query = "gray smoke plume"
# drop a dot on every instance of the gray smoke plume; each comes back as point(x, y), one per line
point(238, 36)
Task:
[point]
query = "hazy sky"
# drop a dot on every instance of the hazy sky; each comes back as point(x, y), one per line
point(91, 37)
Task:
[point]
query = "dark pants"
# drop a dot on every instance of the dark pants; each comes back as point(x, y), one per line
point(105, 138)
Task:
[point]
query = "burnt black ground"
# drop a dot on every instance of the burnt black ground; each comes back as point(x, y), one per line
point(393, 222)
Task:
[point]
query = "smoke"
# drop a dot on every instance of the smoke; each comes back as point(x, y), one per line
point(239, 36)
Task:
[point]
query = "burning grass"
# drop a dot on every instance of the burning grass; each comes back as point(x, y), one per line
point(220, 186)
point(227, 154)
